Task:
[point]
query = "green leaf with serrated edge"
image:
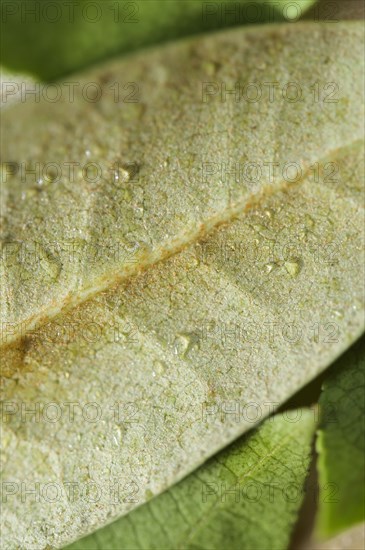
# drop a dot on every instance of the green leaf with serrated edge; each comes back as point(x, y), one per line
point(171, 358)
point(341, 445)
point(74, 35)
point(245, 498)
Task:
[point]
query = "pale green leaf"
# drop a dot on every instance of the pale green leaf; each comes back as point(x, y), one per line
point(140, 186)
point(15, 82)
point(341, 445)
point(246, 498)
point(351, 539)
point(182, 358)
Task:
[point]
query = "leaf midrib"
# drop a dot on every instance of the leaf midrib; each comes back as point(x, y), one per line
point(162, 253)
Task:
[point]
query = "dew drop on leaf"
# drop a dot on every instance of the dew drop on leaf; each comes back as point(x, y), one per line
point(159, 367)
point(293, 268)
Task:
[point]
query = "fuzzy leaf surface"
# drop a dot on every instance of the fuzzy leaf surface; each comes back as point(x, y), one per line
point(223, 296)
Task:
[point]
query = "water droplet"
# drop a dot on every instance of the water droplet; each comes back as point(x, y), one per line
point(124, 175)
point(185, 342)
point(303, 236)
point(116, 435)
point(159, 368)
point(209, 68)
point(193, 262)
point(337, 313)
point(259, 227)
point(309, 222)
point(270, 266)
point(292, 267)
point(139, 212)
point(139, 250)
point(49, 264)
point(125, 172)
point(262, 231)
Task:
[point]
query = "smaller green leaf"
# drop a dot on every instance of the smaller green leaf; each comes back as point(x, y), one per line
point(247, 497)
point(66, 36)
point(341, 445)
